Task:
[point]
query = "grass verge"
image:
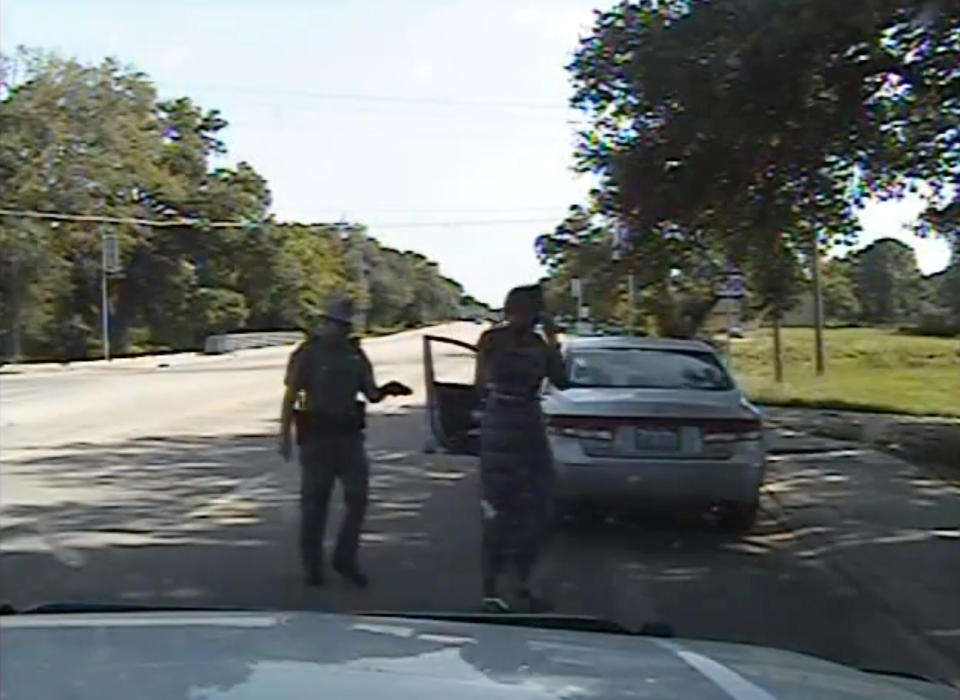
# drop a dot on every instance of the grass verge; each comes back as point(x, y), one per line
point(867, 369)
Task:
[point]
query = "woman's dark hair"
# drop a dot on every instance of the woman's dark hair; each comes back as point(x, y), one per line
point(528, 299)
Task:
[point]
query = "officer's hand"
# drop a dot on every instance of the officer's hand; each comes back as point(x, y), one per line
point(394, 388)
point(286, 447)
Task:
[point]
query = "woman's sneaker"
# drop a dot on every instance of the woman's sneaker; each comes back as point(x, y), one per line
point(492, 604)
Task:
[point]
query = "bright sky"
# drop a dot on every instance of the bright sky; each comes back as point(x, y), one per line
point(420, 118)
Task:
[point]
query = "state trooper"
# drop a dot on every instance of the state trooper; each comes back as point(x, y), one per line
point(324, 376)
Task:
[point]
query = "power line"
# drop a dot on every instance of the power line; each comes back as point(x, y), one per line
point(476, 222)
point(97, 219)
point(389, 99)
point(446, 210)
point(203, 223)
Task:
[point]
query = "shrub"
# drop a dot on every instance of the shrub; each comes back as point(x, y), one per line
point(940, 324)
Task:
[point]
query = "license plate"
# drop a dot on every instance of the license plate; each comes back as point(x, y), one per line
point(658, 440)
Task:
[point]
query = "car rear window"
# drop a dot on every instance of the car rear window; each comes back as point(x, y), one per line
point(647, 368)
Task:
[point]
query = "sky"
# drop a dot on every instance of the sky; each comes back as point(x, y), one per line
point(441, 124)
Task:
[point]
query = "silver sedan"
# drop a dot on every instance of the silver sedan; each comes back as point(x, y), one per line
point(655, 421)
point(644, 422)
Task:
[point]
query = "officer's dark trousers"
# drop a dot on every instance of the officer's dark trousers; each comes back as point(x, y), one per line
point(323, 460)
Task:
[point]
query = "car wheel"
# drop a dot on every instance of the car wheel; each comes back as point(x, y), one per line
point(739, 517)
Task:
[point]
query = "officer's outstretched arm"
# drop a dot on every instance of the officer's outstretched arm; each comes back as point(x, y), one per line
point(376, 394)
point(368, 385)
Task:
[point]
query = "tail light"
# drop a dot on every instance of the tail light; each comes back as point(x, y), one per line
point(584, 429)
point(747, 430)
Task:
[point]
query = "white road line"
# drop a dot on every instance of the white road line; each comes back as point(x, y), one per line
point(725, 678)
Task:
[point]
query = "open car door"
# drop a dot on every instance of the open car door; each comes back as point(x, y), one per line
point(452, 408)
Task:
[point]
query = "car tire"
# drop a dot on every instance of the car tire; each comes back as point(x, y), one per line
point(739, 517)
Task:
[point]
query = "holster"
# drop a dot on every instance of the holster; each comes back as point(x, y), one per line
point(316, 423)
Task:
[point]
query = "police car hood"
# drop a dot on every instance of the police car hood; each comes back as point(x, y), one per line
point(301, 655)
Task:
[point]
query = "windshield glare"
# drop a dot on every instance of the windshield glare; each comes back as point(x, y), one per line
point(648, 369)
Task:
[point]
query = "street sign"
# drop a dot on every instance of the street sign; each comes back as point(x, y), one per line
point(111, 253)
point(576, 287)
point(621, 241)
point(732, 287)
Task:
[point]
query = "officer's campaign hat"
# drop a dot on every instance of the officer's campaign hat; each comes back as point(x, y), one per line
point(340, 309)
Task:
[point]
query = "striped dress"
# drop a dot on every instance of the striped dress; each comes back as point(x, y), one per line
point(516, 465)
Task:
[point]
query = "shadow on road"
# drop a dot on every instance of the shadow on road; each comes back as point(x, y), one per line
point(208, 520)
point(887, 531)
point(211, 520)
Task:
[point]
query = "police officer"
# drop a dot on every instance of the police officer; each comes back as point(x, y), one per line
point(325, 374)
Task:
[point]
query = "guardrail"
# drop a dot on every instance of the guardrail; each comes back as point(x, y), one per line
point(229, 342)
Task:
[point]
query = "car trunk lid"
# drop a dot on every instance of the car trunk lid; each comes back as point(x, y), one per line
point(653, 423)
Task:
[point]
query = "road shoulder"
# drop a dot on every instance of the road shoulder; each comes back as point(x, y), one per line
point(886, 527)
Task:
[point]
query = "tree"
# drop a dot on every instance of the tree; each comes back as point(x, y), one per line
point(676, 273)
point(713, 125)
point(841, 304)
point(887, 282)
point(950, 292)
point(945, 220)
point(72, 138)
point(96, 140)
point(776, 286)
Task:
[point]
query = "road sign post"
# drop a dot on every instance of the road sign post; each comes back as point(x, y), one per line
point(104, 310)
point(576, 289)
point(109, 265)
point(732, 288)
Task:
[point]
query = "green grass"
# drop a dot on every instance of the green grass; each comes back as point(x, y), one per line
point(866, 369)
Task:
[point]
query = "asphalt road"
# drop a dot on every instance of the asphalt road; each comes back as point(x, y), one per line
point(161, 484)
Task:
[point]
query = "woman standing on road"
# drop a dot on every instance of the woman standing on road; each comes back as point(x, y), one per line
point(516, 465)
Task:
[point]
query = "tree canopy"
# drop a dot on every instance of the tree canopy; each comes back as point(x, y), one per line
point(754, 128)
point(887, 282)
point(882, 285)
point(97, 140)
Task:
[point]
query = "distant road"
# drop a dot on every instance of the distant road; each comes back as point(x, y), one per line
point(127, 399)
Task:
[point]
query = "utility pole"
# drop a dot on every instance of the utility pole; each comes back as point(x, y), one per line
point(109, 265)
point(104, 313)
point(817, 307)
point(16, 349)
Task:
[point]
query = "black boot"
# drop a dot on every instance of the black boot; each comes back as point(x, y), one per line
point(352, 573)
